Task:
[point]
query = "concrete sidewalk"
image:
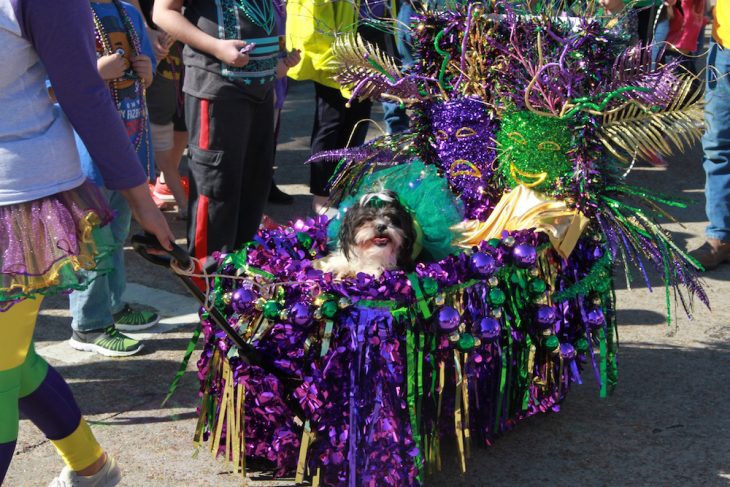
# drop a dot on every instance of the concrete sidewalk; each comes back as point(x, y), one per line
point(667, 423)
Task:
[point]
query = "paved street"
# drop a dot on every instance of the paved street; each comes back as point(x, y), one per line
point(667, 423)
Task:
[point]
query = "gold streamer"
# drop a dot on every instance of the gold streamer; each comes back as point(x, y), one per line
point(531, 361)
point(458, 426)
point(239, 445)
point(303, 448)
point(467, 422)
point(215, 444)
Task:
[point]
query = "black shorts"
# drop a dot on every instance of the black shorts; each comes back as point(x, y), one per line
point(165, 103)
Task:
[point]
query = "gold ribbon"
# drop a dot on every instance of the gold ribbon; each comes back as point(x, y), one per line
point(523, 209)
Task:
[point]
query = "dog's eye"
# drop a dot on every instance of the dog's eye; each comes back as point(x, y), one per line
point(465, 132)
point(549, 145)
point(441, 135)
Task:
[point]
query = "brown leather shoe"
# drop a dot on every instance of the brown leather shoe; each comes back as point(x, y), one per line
point(712, 253)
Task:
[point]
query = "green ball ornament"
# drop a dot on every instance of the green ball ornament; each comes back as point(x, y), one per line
point(537, 286)
point(329, 309)
point(227, 298)
point(497, 296)
point(271, 310)
point(430, 286)
point(551, 343)
point(466, 342)
point(494, 242)
point(304, 239)
point(581, 345)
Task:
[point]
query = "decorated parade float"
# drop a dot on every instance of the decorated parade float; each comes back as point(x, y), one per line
point(524, 128)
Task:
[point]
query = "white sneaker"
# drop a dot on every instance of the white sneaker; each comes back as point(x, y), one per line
point(109, 476)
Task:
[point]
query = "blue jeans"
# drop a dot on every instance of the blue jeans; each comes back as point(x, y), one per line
point(395, 117)
point(716, 142)
point(659, 41)
point(92, 309)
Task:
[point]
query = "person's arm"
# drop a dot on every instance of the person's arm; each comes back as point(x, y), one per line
point(158, 39)
point(612, 6)
point(62, 35)
point(144, 63)
point(167, 14)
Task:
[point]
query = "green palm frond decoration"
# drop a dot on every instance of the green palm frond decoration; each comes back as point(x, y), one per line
point(365, 68)
point(635, 129)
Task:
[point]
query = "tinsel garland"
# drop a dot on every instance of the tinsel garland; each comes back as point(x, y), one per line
point(370, 376)
point(463, 348)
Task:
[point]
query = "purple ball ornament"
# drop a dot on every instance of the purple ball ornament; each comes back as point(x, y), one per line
point(243, 300)
point(595, 318)
point(488, 329)
point(524, 255)
point(300, 314)
point(546, 315)
point(448, 320)
point(567, 351)
point(482, 264)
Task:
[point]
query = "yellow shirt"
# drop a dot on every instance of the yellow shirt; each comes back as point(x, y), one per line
point(721, 26)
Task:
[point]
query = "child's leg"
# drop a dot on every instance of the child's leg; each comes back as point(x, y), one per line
point(16, 332)
point(167, 158)
point(50, 405)
point(91, 308)
point(258, 170)
point(119, 227)
point(31, 385)
point(219, 132)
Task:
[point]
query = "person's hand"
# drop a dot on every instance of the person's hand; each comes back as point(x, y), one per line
point(612, 6)
point(112, 66)
point(160, 43)
point(148, 215)
point(289, 61)
point(142, 65)
point(233, 52)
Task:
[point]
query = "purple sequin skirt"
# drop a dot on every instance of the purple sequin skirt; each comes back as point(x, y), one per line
point(45, 242)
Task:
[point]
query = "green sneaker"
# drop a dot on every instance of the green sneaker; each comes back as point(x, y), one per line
point(132, 320)
point(108, 342)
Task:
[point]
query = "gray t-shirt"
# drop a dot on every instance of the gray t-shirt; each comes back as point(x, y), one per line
point(250, 20)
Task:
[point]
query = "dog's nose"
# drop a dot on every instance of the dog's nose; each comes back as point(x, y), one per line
point(381, 227)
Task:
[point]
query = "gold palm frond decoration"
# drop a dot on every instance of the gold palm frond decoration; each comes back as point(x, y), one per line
point(635, 129)
point(365, 68)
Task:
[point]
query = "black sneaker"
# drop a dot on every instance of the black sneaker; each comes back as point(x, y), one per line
point(279, 197)
point(109, 342)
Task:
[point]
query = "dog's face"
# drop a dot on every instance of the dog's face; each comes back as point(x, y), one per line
point(378, 230)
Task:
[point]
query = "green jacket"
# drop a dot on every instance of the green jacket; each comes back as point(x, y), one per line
point(310, 27)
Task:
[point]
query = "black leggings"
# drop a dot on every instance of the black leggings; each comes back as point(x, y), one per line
point(333, 125)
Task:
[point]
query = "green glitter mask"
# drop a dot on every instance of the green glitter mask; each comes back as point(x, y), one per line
point(533, 150)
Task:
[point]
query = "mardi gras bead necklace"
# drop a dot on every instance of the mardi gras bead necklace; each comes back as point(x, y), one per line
point(104, 46)
point(259, 13)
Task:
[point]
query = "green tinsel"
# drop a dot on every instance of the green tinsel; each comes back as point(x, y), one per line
point(534, 144)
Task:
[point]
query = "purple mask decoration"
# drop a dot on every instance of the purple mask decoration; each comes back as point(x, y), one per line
point(463, 136)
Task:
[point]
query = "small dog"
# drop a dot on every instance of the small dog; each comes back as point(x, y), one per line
point(377, 234)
